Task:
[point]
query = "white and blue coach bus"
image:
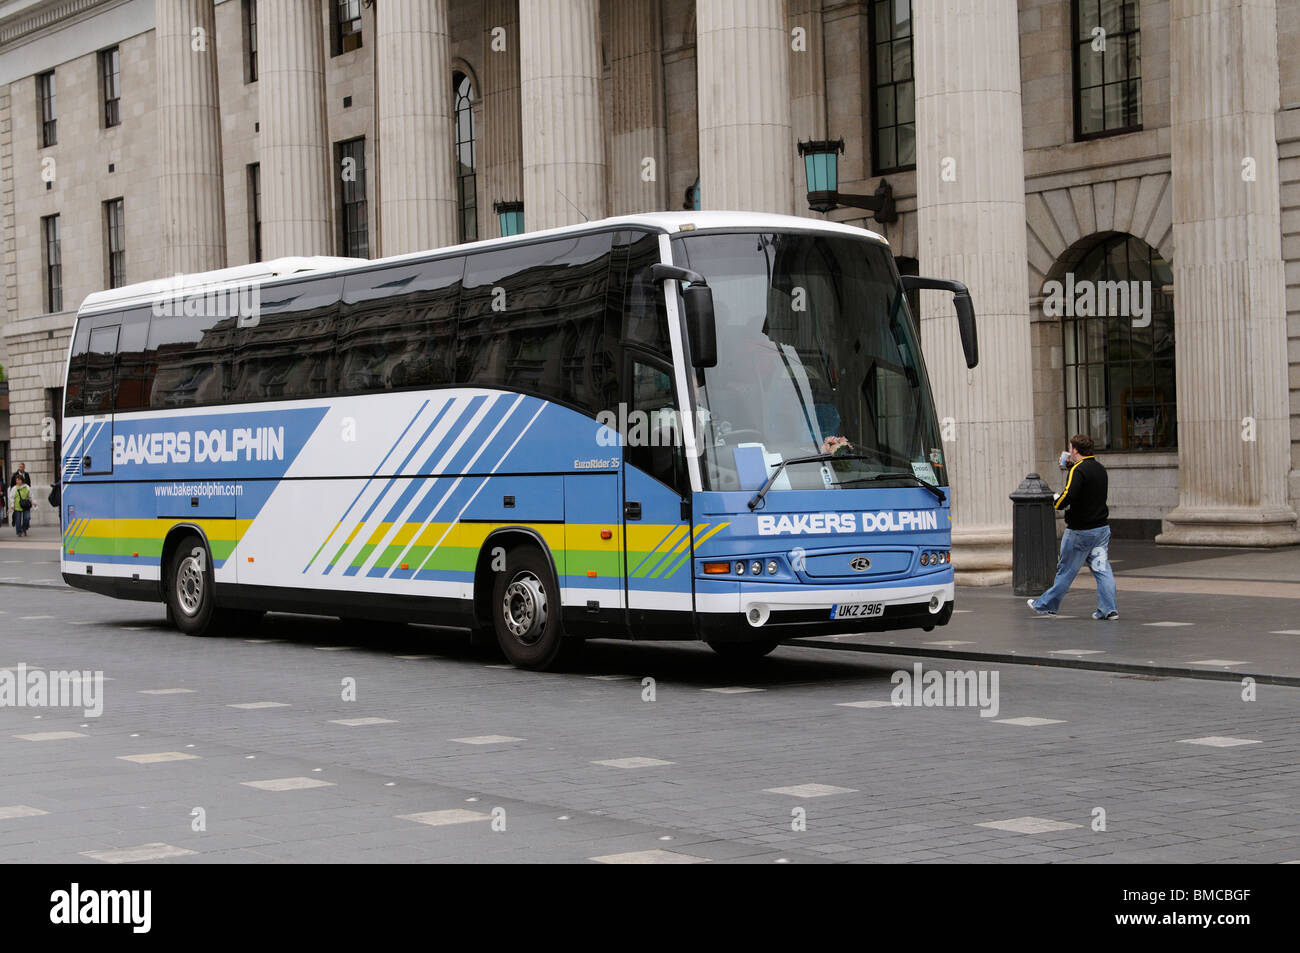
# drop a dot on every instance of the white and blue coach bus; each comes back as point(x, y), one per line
point(698, 425)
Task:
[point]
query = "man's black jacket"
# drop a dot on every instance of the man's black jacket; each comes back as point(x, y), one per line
point(1084, 496)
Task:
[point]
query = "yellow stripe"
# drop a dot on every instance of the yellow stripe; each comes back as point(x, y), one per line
point(405, 534)
point(472, 535)
point(229, 530)
point(710, 533)
point(378, 534)
point(682, 532)
point(587, 536)
point(1057, 504)
point(647, 537)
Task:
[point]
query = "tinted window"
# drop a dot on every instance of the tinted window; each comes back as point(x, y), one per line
point(656, 446)
point(289, 351)
point(645, 321)
point(189, 350)
point(75, 387)
point(536, 319)
point(100, 357)
point(135, 362)
point(398, 327)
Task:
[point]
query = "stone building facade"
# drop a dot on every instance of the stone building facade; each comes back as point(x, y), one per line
point(1025, 159)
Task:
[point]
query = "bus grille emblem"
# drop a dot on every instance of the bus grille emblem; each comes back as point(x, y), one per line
point(859, 563)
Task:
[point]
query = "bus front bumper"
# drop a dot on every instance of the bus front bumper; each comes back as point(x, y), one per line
point(787, 612)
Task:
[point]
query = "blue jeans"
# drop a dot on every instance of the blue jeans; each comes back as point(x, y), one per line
point(22, 520)
point(1077, 547)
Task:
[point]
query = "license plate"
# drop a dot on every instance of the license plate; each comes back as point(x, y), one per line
point(857, 610)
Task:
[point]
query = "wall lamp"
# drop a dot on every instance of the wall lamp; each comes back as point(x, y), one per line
point(821, 169)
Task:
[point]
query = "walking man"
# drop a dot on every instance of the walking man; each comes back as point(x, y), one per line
point(1087, 535)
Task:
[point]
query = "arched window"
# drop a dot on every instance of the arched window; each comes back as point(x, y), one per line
point(1117, 325)
point(466, 180)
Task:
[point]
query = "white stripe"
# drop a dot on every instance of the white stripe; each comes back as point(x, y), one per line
point(497, 466)
point(415, 501)
point(112, 570)
point(368, 529)
point(648, 599)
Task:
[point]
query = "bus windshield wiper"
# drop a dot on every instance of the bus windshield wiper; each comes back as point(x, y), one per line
point(900, 475)
point(815, 458)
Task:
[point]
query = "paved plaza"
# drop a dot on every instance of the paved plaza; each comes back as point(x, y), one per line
point(243, 749)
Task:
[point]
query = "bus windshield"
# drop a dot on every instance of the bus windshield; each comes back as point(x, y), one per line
point(817, 354)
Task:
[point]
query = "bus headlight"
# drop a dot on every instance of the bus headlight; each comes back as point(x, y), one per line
point(756, 568)
point(740, 569)
point(771, 567)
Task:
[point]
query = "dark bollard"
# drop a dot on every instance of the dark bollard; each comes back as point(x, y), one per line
point(1033, 537)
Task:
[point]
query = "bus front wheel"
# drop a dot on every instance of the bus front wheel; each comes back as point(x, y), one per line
point(526, 612)
point(190, 590)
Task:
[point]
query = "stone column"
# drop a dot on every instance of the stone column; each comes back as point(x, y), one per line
point(191, 202)
point(418, 194)
point(637, 74)
point(503, 145)
point(564, 142)
point(808, 92)
point(971, 227)
point(294, 148)
point(746, 152)
point(1229, 284)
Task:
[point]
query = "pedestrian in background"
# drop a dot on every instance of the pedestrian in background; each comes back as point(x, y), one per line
point(55, 499)
point(1087, 534)
point(22, 504)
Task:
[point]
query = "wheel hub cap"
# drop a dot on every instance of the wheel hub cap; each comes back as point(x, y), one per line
point(524, 608)
point(189, 586)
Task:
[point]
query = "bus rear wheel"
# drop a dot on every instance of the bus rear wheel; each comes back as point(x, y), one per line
point(526, 612)
point(190, 592)
point(740, 651)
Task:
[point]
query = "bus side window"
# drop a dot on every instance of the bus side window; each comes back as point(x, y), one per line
point(290, 351)
point(135, 363)
point(534, 319)
point(397, 327)
point(645, 320)
point(101, 357)
point(189, 354)
point(74, 393)
point(653, 442)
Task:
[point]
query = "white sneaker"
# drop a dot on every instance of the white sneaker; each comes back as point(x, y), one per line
point(1038, 611)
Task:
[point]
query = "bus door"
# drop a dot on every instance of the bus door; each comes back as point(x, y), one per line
point(657, 529)
point(98, 393)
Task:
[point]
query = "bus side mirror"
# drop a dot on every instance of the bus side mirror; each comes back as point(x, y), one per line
point(965, 310)
point(701, 331)
point(700, 325)
point(970, 342)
